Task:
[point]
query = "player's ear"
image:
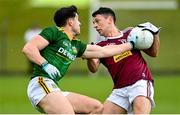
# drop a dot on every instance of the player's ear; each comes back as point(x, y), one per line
point(110, 19)
point(70, 21)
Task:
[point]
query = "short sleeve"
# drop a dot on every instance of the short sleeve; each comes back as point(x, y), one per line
point(48, 34)
point(81, 48)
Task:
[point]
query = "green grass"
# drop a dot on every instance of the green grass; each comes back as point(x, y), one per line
point(13, 97)
point(12, 28)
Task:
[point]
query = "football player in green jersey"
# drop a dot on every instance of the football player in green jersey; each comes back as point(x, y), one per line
point(52, 51)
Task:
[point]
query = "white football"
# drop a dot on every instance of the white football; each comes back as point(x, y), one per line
point(144, 38)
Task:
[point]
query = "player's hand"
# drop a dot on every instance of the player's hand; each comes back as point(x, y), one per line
point(51, 70)
point(149, 26)
point(132, 38)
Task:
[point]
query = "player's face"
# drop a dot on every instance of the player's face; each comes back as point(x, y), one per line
point(76, 25)
point(101, 24)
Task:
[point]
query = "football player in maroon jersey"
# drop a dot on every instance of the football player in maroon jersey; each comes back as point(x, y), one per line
point(133, 82)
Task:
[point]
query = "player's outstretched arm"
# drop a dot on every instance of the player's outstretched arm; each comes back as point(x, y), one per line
point(95, 51)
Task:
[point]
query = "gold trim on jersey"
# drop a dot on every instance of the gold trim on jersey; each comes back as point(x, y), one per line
point(119, 57)
point(69, 61)
point(43, 85)
point(61, 29)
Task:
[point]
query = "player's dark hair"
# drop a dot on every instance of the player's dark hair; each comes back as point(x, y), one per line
point(62, 14)
point(105, 11)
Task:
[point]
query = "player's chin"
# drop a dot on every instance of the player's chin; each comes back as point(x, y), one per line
point(77, 33)
point(101, 33)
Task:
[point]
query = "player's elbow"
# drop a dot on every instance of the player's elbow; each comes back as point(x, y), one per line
point(154, 55)
point(153, 52)
point(25, 50)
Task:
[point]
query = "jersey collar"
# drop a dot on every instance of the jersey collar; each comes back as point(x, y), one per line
point(115, 37)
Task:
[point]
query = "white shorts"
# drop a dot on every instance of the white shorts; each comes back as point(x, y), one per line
point(39, 87)
point(124, 97)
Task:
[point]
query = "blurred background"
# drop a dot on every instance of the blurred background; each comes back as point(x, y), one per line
point(18, 17)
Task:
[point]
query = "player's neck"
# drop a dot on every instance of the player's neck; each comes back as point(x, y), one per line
point(69, 33)
point(113, 32)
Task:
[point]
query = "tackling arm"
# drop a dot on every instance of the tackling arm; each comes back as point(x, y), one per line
point(95, 51)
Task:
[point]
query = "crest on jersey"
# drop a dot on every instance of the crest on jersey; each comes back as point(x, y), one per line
point(65, 43)
point(74, 50)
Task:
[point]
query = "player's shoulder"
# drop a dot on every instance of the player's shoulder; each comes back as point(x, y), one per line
point(52, 33)
point(77, 41)
point(101, 43)
point(52, 28)
point(128, 29)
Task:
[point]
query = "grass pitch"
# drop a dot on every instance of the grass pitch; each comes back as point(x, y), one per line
point(13, 96)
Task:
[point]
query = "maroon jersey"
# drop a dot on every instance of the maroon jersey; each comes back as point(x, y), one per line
point(126, 68)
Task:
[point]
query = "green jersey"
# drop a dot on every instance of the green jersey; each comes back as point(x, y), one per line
point(60, 52)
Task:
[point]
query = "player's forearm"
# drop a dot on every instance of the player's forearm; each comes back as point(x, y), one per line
point(94, 51)
point(33, 54)
point(111, 50)
point(153, 51)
